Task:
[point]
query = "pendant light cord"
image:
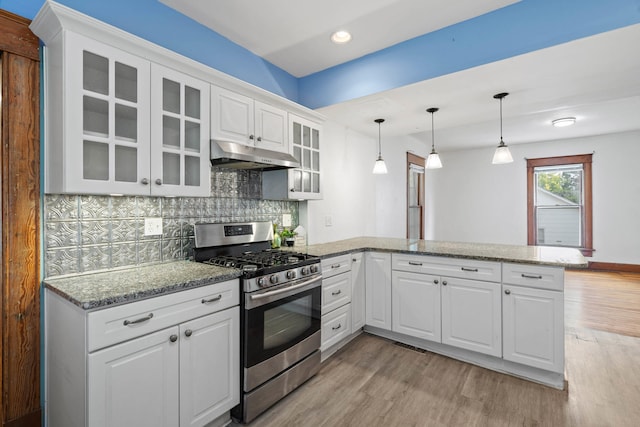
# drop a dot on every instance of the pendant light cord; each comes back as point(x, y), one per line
point(433, 147)
point(379, 143)
point(501, 141)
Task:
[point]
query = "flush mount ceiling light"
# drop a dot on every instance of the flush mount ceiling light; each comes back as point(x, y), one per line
point(563, 122)
point(433, 161)
point(341, 37)
point(379, 167)
point(502, 154)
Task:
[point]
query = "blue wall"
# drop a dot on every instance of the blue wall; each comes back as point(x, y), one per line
point(517, 29)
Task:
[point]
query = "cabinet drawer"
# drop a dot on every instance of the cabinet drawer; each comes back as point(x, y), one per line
point(452, 267)
point(335, 326)
point(336, 265)
point(336, 291)
point(534, 276)
point(113, 325)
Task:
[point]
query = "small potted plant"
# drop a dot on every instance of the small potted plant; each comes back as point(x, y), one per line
point(288, 236)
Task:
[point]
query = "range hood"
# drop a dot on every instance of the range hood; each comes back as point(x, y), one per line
point(237, 156)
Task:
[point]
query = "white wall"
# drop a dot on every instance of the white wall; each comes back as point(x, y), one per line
point(472, 200)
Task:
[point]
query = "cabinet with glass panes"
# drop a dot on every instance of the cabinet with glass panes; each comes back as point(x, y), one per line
point(108, 132)
point(304, 182)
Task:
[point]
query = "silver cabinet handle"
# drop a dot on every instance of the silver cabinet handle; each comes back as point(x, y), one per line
point(354, 259)
point(336, 293)
point(259, 138)
point(435, 281)
point(335, 266)
point(188, 332)
point(444, 283)
point(173, 338)
point(251, 137)
point(335, 328)
point(144, 181)
point(214, 299)
point(473, 270)
point(140, 320)
point(158, 181)
point(415, 263)
point(531, 276)
point(507, 292)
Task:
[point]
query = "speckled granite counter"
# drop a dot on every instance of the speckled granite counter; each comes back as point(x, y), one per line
point(541, 255)
point(115, 287)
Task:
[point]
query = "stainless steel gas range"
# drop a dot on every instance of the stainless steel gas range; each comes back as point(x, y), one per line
point(280, 310)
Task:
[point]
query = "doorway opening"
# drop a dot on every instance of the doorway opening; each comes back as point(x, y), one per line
point(415, 196)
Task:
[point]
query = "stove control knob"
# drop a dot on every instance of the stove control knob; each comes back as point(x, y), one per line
point(273, 279)
point(262, 281)
point(304, 271)
point(291, 274)
point(314, 268)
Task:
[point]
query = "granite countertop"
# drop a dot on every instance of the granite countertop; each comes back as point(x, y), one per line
point(99, 290)
point(541, 255)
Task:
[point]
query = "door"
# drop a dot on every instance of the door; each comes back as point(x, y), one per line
point(378, 290)
point(135, 383)
point(179, 134)
point(271, 128)
point(472, 315)
point(533, 327)
point(415, 196)
point(231, 116)
point(209, 367)
point(416, 305)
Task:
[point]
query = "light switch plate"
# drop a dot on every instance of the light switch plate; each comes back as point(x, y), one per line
point(152, 226)
point(328, 220)
point(286, 220)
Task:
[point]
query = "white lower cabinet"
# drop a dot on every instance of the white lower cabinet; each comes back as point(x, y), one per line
point(533, 327)
point(336, 302)
point(357, 291)
point(378, 289)
point(471, 315)
point(171, 360)
point(415, 300)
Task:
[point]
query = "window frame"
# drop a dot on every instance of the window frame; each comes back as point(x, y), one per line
point(586, 161)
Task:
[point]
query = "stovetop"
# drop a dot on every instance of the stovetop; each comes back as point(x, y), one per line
point(255, 264)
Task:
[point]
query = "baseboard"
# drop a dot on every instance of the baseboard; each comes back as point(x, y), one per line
point(611, 266)
point(33, 419)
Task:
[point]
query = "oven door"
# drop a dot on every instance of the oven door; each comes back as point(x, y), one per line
point(279, 318)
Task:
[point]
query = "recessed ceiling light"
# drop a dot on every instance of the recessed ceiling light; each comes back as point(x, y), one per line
point(340, 37)
point(563, 122)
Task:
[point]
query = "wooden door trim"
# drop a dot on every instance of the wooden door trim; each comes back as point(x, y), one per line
point(20, 230)
point(420, 161)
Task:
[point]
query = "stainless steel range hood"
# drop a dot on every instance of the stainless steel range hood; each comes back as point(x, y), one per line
point(237, 156)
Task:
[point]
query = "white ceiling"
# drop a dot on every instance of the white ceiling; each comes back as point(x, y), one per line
point(595, 79)
point(295, 34)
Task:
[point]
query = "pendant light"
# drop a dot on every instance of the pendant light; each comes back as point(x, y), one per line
point(379, 167)
point(433, 161)
point(502, 154)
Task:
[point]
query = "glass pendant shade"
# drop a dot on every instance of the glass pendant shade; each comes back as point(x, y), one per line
point(379, 167)
point(502, 154)
point(433, 161)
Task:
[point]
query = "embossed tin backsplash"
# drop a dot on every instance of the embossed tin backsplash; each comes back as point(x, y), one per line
point(92, 233)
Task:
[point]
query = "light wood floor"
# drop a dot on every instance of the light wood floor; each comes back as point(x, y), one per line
point(374, 382)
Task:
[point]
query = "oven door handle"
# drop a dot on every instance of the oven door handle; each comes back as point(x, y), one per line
point(285, 290)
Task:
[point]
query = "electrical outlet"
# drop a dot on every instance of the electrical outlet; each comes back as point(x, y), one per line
point(328, 220)
point(152, 226)
point(286, 220)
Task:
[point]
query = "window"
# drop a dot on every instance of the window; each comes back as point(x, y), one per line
point(559, 202)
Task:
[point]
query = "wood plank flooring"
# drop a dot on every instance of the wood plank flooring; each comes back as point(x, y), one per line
point(374, 382)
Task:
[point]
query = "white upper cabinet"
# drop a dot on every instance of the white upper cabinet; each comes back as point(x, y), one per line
point(97, 118)
point(241, 119)
point(180, 134)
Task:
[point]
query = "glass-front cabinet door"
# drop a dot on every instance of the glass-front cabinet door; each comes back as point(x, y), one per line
point(304, 137)
point(104, 144)
point(179, 134)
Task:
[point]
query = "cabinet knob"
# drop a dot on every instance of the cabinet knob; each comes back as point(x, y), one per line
point(259, 138)
point(251, 137)
point(144, 181)
point(444, 283)
point(158, 181)
point(173, 338)
point(188, 332)
point(507, 292)
point(292, 190)
point(435, 281)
